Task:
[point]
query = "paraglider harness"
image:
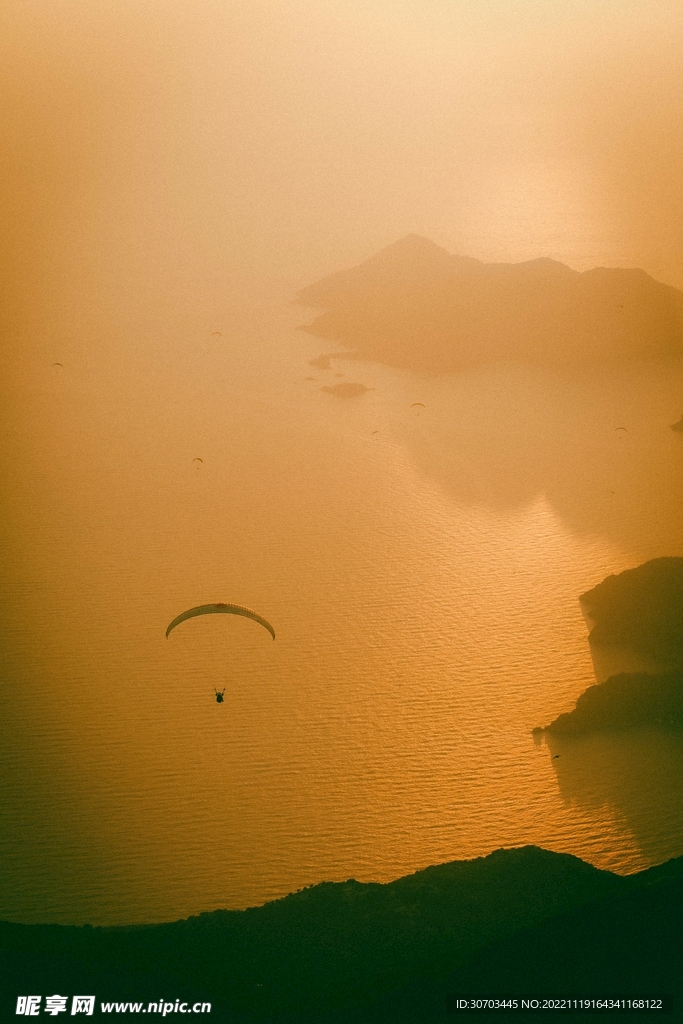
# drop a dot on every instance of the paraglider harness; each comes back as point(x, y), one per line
point(219, 696)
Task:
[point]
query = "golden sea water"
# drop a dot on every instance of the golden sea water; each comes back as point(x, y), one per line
point(421, 567)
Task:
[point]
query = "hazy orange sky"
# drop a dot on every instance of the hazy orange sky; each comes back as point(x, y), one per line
point(185, 145)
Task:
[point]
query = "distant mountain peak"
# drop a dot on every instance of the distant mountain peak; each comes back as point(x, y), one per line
point(545, 263)
point(415, 243)
point(411, 248)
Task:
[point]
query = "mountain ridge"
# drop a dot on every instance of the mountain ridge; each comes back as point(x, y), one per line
point(413, 304)
point(333, 948)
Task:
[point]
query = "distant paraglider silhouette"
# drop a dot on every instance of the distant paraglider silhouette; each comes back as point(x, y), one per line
point(198, 462)
point(621, 428)
point(219, 695)
point(214, 333)
point(58, 367)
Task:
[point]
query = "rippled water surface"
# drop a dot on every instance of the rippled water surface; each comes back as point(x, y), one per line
point(421, 567)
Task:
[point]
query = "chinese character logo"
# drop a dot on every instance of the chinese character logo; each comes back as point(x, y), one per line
point(83, 1004)
point(55, 1004)
point(29, 1006)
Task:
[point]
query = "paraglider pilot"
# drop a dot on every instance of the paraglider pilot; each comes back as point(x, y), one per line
point(219, 695)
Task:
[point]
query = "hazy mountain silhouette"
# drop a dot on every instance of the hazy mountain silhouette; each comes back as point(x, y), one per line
point(414, 305)
point(352, 951)
point(503, 434)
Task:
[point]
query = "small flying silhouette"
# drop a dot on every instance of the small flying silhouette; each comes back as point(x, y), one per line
point(556, 756)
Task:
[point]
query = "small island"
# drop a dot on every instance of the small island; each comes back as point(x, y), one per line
point(347, 389)
point(642, 610)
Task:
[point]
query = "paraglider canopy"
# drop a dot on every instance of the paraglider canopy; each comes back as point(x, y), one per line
point(219, 607)
point(417, 403)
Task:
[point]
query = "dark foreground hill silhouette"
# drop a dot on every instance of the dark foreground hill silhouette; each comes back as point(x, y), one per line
point(504, 924)
point(415, 305)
